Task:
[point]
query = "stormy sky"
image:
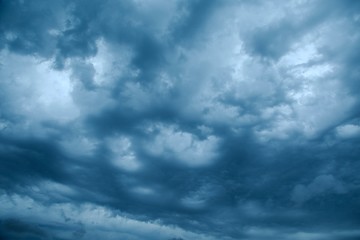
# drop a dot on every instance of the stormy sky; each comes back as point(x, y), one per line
point(179, 119)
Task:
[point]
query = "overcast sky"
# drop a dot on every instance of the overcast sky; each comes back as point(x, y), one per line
point(179, 119)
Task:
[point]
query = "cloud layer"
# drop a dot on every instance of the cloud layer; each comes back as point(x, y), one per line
point(179, 119)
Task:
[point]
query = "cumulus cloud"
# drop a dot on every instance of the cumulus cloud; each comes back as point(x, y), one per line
point(183, 147)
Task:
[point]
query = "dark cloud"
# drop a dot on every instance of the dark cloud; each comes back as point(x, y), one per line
point(26, 27)
point(179, 120)
point(16, 229)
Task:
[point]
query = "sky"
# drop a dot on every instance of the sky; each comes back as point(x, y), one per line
point(179, 119)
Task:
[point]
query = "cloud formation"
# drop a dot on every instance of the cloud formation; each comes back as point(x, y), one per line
point(179, 119)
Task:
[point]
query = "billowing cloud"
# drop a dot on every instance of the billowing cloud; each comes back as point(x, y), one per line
point(179, 119)
point(183, 147)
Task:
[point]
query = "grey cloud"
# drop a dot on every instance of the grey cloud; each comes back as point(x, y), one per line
point(16, 229)
point(24, 28)
point(191, 119)
point(85, 73)
point(324, 184)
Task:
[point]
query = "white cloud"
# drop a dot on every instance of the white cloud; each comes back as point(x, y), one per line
point(348, 131)
point(37, 91)
point(122, 154)
point(64, 219)
point(300, 54)
point(111, 63)
point(315, 98)
point(183, 147)
point(110, 66)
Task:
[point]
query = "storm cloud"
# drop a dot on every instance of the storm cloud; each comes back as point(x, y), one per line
point(181, 119)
